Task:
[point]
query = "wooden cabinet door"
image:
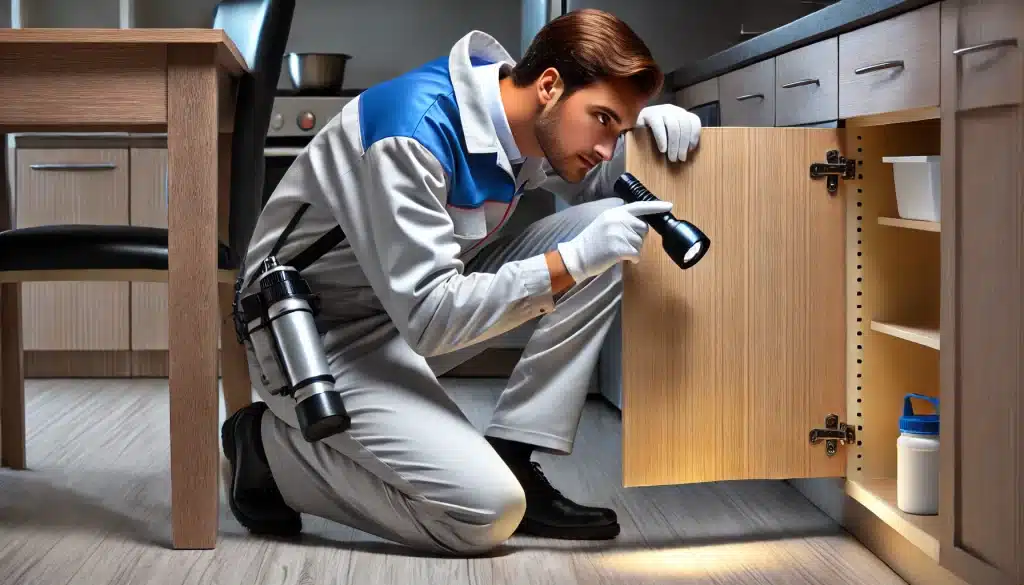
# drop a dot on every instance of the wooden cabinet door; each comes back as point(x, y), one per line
point(982, 329)
point(149, 209)
point(728, 366)
point(73, 186)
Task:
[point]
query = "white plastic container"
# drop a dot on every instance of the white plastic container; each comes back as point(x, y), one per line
point(917, 459)
point(918, 186)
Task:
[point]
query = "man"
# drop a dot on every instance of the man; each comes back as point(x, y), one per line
point(421, 172)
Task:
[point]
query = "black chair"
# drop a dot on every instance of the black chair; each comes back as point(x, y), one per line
point(259, 29)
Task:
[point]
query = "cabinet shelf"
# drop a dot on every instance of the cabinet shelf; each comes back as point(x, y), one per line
point(913, 224)
point(879, 496)
point(928, 337)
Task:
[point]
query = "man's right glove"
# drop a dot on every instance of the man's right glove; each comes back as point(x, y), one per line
point(616, 235)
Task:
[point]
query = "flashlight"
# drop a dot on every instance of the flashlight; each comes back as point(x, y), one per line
point(683, 242)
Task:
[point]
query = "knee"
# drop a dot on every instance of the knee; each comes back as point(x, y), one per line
point(490, 516)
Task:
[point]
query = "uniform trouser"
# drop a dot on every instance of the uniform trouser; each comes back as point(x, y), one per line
point(412, 468)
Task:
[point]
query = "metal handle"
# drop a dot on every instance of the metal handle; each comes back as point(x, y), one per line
point(801, 82)
point(281, 151)
point(73, 166)
point(986, 46)
point(879, 67)
point(750, 96)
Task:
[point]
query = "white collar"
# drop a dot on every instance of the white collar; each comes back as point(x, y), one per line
point(487, 80)
point(474, 114)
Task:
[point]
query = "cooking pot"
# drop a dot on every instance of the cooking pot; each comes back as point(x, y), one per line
point(321, 72)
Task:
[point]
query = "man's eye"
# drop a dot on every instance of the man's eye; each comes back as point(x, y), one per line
point(603, 119)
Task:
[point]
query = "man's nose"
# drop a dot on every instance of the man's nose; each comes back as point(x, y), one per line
point(605, 151)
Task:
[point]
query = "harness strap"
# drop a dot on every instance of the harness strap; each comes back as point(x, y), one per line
point(311, 253)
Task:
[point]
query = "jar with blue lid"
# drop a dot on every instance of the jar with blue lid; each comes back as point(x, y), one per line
point(917, 459)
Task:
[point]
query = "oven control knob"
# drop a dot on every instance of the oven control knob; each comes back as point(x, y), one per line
point(277, 121)
point(306, 120)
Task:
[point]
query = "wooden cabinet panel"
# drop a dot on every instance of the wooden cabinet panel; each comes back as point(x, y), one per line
point(149, 208)
point(73, 186)
point(982, 328)
point(149, 313)
point(807, 84)
point(987, 43)
point(748, 95)
point(728, 366)
point(891, 65)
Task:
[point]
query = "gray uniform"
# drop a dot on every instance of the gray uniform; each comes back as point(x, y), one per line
point(422, 283)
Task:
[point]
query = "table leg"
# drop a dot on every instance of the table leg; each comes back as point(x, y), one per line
point(192, 294)
point(12, 373)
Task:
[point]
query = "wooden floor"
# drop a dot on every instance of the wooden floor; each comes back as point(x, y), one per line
point(93, 509)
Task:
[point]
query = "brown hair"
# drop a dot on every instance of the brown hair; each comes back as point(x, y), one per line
point(585, 46)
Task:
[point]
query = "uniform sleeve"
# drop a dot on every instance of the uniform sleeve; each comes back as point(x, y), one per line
point(597, 184)
point(405, 242)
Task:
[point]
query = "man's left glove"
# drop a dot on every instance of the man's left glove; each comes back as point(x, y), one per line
point(675, 130)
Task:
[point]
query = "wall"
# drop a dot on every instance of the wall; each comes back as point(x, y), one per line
point(683, 31)
point(385, 38)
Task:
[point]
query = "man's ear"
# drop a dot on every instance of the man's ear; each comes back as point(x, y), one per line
point(549, 86)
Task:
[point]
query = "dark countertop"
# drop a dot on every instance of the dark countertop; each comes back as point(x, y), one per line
point(828, 22)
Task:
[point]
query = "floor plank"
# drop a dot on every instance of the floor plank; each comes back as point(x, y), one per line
point(93, 508)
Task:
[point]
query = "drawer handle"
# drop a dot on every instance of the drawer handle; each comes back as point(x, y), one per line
point(750, 96)
point(73, 166)
point(801, 82)
point(879, 67)
point(986, 46)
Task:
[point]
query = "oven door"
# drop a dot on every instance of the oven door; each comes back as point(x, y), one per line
point(277, 159)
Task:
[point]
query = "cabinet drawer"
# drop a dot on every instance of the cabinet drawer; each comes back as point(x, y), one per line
point(73, 186)
point(698, 94)
point(985, 40)
point(807, 84)
point(891, 65)
point(748, 95)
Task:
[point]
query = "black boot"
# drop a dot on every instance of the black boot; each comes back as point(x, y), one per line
point(549, 514)
point(252, 494)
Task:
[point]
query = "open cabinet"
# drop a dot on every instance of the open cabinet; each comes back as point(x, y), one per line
point(788, 351)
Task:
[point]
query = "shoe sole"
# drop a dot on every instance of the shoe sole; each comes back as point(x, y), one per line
point(231, 451)
point(598, 532)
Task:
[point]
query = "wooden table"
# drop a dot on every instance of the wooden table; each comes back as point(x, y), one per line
point(181, 82)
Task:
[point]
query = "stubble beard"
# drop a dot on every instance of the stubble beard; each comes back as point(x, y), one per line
point(546, 129)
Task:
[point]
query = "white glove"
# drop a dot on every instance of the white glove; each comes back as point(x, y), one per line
point(675, 130)
point(615, 235)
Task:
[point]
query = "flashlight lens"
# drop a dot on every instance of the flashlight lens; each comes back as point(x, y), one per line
point(693, 251)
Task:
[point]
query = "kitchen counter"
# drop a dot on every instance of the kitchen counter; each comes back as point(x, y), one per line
point(828, 22)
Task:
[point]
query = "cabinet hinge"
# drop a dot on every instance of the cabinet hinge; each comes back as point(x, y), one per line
point(834, 168)
point(835, 432)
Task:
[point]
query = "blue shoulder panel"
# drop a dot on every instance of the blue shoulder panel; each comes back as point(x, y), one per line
point(421, 105)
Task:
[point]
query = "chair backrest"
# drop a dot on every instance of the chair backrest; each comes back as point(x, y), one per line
point(259, 29)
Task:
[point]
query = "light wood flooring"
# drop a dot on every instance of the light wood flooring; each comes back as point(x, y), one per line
point(93, 509)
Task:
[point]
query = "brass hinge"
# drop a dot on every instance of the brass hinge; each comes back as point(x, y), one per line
point(833, 433)
point(834, 168)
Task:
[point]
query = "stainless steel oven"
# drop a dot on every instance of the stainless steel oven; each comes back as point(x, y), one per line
point(295, 120)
